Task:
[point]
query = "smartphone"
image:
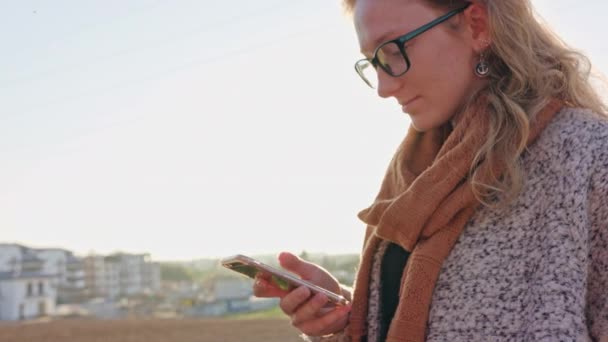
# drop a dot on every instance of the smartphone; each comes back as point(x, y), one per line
point(283, 279)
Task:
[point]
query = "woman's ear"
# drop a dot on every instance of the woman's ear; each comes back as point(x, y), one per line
point(478, 25)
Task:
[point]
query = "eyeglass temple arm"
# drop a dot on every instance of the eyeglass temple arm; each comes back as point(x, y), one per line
point(432, 24)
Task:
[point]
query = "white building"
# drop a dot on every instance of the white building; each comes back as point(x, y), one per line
point(130, 272)
point(95, 276)
point(121, 274)
point(34, 280)
point(70, 281)
point(112, 273)
point(151, 277)
point(26, 289)
point(102, 275)
point(25, 296)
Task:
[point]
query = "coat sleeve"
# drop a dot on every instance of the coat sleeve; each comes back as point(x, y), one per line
point(597, 281)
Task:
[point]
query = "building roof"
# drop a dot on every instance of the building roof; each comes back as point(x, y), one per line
point(52, 249)
point(22, 248)
point(31, 254)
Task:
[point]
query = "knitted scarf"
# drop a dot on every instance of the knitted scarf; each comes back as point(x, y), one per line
point(423, 205)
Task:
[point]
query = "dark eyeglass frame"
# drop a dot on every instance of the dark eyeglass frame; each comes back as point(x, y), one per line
point(400, 42)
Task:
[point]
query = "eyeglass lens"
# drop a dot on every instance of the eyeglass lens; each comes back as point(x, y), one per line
point(389, 58)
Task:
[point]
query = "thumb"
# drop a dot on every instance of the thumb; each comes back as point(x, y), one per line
point(303, 268)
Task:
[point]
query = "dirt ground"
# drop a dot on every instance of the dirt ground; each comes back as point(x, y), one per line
point(157, 330)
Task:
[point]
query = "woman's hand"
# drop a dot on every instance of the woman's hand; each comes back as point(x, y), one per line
point(308, 313)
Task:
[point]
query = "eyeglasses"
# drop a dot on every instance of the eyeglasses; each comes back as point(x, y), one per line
point(391, 56)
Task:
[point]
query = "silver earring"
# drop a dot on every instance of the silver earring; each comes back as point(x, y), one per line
point(482, 69)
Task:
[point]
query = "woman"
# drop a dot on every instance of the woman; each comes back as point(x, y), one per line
point(492, 221)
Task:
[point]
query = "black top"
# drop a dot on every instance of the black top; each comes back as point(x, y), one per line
point(393, 263)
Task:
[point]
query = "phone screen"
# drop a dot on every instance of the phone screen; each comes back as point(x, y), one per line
point(252, 271)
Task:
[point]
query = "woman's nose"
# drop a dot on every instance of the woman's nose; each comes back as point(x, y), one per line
point(387, 85)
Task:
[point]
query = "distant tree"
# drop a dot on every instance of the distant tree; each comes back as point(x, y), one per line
point(174, 272)
point(304, 255)
point(349, 263)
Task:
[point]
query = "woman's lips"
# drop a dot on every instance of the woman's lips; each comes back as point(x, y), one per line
point(408, 103)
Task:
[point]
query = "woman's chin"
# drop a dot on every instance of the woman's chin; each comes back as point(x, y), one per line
point(419, 125)
point(423, 125)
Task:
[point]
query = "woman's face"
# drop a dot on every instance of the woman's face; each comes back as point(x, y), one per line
point(441, 75)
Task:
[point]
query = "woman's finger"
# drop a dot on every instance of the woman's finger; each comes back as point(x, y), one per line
point(293, 263)
point(310, 310)
point(326, 323)
point(290, 303)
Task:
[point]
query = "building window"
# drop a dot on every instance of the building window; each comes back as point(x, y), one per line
point(41, 288)
point(30, 289)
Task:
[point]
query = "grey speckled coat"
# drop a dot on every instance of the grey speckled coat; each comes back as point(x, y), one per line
point(538, 269)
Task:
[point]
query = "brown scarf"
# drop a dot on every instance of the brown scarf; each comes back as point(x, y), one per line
point(424, 203)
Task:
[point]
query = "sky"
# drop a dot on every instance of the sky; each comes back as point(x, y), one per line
point(191, 129)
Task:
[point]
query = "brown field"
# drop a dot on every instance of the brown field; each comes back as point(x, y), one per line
point(153, 330)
